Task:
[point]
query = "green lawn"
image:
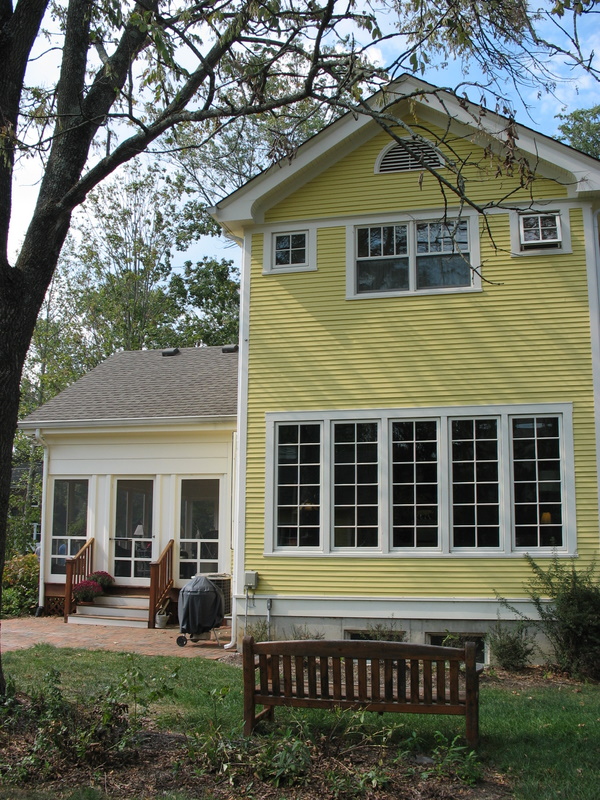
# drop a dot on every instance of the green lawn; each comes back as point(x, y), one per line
point(545, 738)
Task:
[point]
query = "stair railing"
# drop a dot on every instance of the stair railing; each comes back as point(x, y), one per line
point(161, 581)
point(78, 568)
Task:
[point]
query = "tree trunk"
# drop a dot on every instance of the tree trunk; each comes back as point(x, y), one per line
point(17, 320)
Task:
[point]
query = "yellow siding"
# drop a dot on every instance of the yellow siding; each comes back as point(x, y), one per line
point(525, 338)
point(350, 186)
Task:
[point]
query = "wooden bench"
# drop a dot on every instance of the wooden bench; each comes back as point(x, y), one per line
point(372, 675)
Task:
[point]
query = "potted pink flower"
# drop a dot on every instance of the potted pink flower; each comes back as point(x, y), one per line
point(86, 591)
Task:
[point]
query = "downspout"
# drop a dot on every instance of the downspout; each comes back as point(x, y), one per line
point(39, 439)
point(234, 515)
point(239, 519)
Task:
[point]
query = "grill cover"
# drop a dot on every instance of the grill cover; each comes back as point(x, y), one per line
point(200, 606)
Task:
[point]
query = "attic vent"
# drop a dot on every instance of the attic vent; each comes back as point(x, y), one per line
point(173, 351)
point(417, 155)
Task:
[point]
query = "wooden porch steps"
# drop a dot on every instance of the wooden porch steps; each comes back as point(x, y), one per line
point(119, 610)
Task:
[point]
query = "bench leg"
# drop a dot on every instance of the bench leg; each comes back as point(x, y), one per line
point(472, 720)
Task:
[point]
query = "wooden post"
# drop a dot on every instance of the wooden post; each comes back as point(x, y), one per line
point(249, 681)
point(471, 695)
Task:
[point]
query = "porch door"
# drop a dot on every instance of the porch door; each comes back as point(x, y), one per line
point(133, 531)
point(199, 531)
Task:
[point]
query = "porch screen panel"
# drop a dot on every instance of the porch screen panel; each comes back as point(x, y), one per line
point(298, 478)
point(199, 531)
point(69, 521)
point(133, 528)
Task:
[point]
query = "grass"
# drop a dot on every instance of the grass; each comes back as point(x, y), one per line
point(544, 737)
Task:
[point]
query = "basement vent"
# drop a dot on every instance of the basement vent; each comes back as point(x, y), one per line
point(412, 155)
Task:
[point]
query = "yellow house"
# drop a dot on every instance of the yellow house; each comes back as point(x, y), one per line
point(419, 384)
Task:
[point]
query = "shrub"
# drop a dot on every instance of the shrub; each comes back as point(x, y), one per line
point(20, 586)
point(567, 602)
point(511, 645)
point(103, 578)
point(86, 591)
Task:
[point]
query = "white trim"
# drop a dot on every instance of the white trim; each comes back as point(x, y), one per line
point(444, 548)
point(238, 522)
point(393, 608)
point(592, 256)
point(411, 219)
point(270, 234)
point(561, 209)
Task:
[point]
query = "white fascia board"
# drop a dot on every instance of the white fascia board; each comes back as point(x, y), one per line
point(538, 147)
point(247, 206)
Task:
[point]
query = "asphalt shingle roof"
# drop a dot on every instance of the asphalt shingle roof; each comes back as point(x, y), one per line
point(145, 384)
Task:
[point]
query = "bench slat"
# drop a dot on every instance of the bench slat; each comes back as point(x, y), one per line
point(440, 674)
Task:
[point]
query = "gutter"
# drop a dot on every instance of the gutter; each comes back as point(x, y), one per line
point(170, 422)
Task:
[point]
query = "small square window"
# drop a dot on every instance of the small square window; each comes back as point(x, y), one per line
point(290, 250)
point(540, 230)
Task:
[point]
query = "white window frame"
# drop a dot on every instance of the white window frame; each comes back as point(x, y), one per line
point(444, 416)
point(519, 248)
point(411, 221)
point(270, 239)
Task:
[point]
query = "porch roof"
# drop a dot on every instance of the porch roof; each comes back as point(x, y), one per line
point(148, 384)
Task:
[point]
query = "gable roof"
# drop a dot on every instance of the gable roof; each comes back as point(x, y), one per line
point(247, 205)
point(145, 385)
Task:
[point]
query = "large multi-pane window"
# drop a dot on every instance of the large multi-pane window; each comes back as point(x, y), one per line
point(482, 482)
point(69, 521)
point(536, 455)
point(415, 492)
point(413, 256)
point(298, 503)
point(356, 484)
point(475, 483)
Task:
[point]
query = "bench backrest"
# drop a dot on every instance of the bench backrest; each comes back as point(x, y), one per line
point(381, 673)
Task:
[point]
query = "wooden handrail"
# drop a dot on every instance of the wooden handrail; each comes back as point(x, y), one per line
point(78, 567)
point(161, 581)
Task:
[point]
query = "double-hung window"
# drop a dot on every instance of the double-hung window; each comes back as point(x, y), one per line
point(412, 256)
point(490, 481)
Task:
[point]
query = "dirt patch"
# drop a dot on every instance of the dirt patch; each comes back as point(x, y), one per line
point(531, 677)
point(162, 763)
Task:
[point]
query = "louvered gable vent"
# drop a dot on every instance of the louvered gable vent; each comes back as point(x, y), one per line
point(417, 154)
